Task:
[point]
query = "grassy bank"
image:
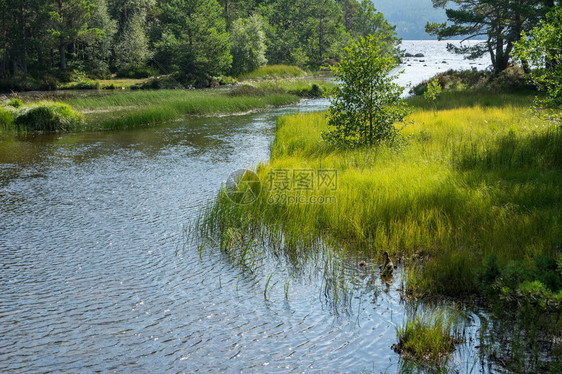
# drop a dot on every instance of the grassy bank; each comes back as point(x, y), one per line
point(128, 109)
point(475, 191)
point(141, 108)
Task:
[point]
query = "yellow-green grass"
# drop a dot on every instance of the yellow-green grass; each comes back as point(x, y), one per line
point(428, 336)
point(274, 71)
point(466, 184)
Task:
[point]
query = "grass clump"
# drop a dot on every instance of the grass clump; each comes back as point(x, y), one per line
point(14, 103)
point(48, 116)
point(274, 71)
point(428, 336)
point(6, 118)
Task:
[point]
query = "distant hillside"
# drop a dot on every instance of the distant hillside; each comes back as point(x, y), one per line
point(410, 16)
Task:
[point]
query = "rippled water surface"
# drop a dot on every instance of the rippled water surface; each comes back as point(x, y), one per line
point(96, 274)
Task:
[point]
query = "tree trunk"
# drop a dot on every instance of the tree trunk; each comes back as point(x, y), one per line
point(62, 53)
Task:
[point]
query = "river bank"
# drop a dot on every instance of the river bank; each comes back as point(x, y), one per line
point(468, 202)
point(120, 110)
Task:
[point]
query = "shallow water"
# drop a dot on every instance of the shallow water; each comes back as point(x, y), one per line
point(97, 274)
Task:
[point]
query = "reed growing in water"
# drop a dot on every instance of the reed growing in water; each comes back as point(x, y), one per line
point(475, 191)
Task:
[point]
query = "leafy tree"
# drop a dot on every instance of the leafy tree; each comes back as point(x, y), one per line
point(234, 9)
point(22, 24)
point(542, 48)
point(70, 21)
point(311, 27)
point(98, 44)
point(367, 103)
point(195, 39)
point(131, 49)
point(501, 22)
point(324, 28)
point(248, 44)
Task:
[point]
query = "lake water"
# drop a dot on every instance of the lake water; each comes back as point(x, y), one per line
point(97, 274)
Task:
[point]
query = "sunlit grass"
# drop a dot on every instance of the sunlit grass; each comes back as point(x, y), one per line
point(428, 336)
point(466, 184)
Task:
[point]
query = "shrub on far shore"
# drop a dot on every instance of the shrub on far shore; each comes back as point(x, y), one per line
point(48, 116)
point(512, 78)
point(275, 71)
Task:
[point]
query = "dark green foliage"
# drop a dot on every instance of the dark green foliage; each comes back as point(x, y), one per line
point(538, 283)
point(502, 22)
point(548, 272)
point(541, 48)
point(136, 73)
point(194, 41)
point(48, 117)
point(45, 41)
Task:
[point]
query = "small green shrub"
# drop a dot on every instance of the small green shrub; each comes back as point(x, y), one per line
point(310, 91)
point(48, 116)
point(136, 73)
point(511, 79)
point(275, 71)
point(16, 103)
point(247, 90)
point(433, 91)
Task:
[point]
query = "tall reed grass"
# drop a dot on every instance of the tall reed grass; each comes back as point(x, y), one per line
point(141, 108)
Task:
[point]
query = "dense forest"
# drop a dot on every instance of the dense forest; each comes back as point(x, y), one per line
point(49, 41)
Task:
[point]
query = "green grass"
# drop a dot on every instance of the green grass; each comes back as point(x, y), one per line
point(275, 71)
point(475, 181)
point(17, 117)
point(141, 108)
point(126, 109)
point(428, 336)
point(299, 87)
